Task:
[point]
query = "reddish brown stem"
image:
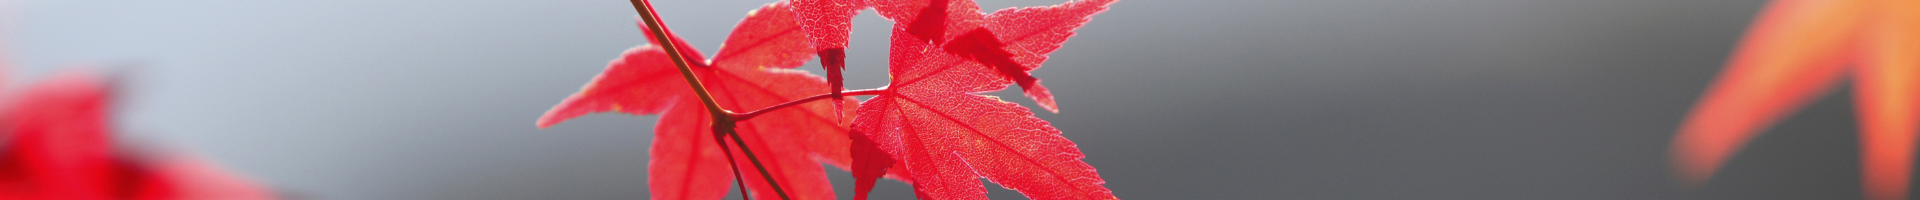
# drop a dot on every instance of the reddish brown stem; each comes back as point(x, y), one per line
point(750, 115)
point(756, 165)
point(722, 119)
point(730, 163)
point(648, 17)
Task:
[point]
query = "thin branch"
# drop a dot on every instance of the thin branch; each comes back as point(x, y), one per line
point(731, 164)
point(722, 119)
point(750, 115)
point(647, 15)
point(756, 163)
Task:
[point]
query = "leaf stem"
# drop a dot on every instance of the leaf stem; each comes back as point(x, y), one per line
point(731, 164)
point(750, 115)
point(756, 165)
point(722, 119)
point(648, 16)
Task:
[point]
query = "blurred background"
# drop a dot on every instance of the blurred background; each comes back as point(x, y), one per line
point(1256, 99)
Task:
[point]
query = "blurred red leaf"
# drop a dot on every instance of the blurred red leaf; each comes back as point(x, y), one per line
point(1797, 50)
point(58, 146)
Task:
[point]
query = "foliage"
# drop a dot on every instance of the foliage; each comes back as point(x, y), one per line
point(927, 127)
point(58, 145)
point(1794, 53)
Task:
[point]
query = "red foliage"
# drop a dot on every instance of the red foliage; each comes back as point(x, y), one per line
point(752, 70)
point(58, 146)
point(928, 125)
point(1795, 52)
point(827, 23)
point(945, 135)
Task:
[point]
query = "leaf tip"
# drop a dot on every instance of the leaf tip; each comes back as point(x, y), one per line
point(1041, 96)
point(552, 117)
point(573, 106)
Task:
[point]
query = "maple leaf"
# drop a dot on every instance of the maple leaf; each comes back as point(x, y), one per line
point(58, 146)
point(752, 70)
point(1012, 41)
point(931, 123)
point(1797, 50)
point(827, 23)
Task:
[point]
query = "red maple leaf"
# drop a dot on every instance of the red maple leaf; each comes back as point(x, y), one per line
point(933, 124)
point(58, 146)
point(957, 25)
point(827, 23)
point(1012, 41)
point(753, 70)
point(1795, 51)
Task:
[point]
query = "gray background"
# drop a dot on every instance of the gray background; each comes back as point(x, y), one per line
point(1287, 99)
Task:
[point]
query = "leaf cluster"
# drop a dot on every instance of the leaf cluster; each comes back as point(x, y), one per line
point(928, 127)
